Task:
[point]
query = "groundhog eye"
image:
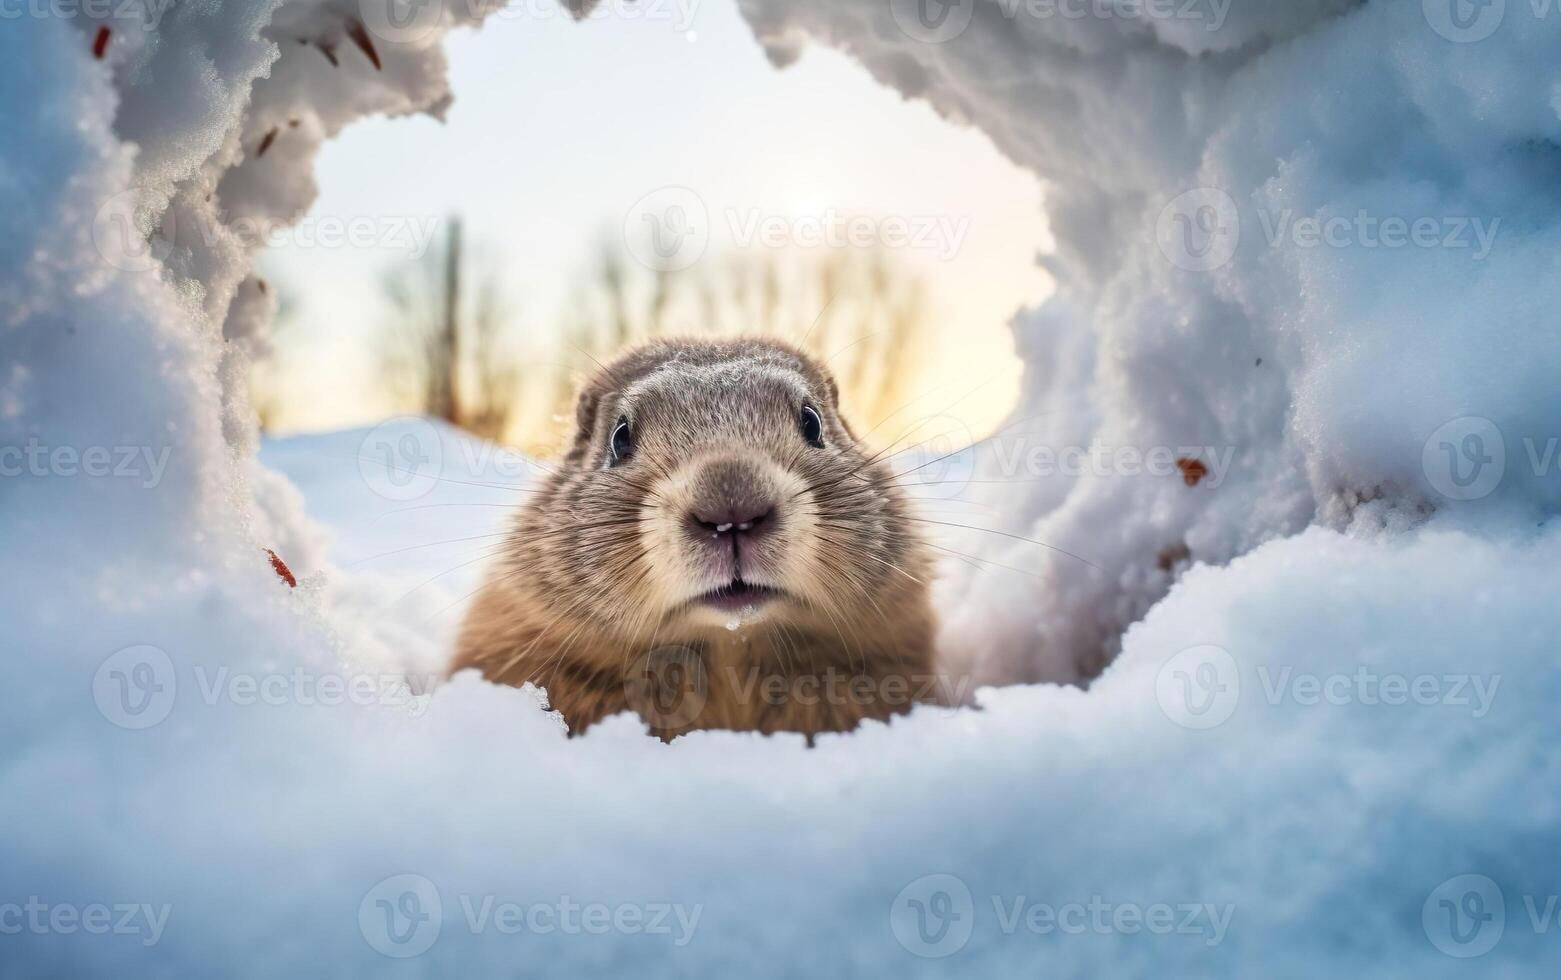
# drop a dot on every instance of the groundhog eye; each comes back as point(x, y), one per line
point(812, 427)
point(622, 441)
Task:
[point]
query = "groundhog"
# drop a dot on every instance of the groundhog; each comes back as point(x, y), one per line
point(715, 550)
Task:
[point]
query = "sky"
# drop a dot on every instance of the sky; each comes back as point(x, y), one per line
point(562, 133)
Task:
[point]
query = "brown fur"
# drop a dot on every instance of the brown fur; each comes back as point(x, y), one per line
point(595, 596)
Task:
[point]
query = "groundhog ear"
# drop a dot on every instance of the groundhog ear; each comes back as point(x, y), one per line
point(585, 411)
point(586, 406)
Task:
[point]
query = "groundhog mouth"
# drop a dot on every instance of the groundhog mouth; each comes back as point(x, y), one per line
point(738, 594)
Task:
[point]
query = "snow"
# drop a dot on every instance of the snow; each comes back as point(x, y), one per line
point(1304, 326)
point(414, 510)
point(1327, 744)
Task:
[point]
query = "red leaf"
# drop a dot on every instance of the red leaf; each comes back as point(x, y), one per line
point(360, 37)
point(265, 143)
point(1192, 471)
point(285, 573)
point(100, 43)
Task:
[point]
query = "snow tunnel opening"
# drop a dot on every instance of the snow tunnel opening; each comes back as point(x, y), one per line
point(791, 208)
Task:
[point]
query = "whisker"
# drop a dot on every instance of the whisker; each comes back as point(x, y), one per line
point(430, 544)
point(818, 319)
point(605, 369)
point(408, 510)
point(1016, 537)
point(973, 445)
point(968, 559)
point(517, 488)
point(859, 340)
point(430, 580)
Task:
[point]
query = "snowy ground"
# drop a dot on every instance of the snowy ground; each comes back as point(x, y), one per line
point(1328, 743)
point(1364, 738)
point(414, 511)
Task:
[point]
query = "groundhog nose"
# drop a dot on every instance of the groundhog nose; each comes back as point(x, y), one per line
point(731, 497)
point(734, 518)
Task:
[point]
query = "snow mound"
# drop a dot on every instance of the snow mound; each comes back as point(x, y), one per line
point(1309, 242)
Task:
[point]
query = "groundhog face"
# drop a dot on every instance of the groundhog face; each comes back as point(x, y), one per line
point(716, 486)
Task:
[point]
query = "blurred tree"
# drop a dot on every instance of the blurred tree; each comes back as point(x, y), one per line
point(863, 313)
point(444, 351)
point(268, 371)
point(451, 348)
